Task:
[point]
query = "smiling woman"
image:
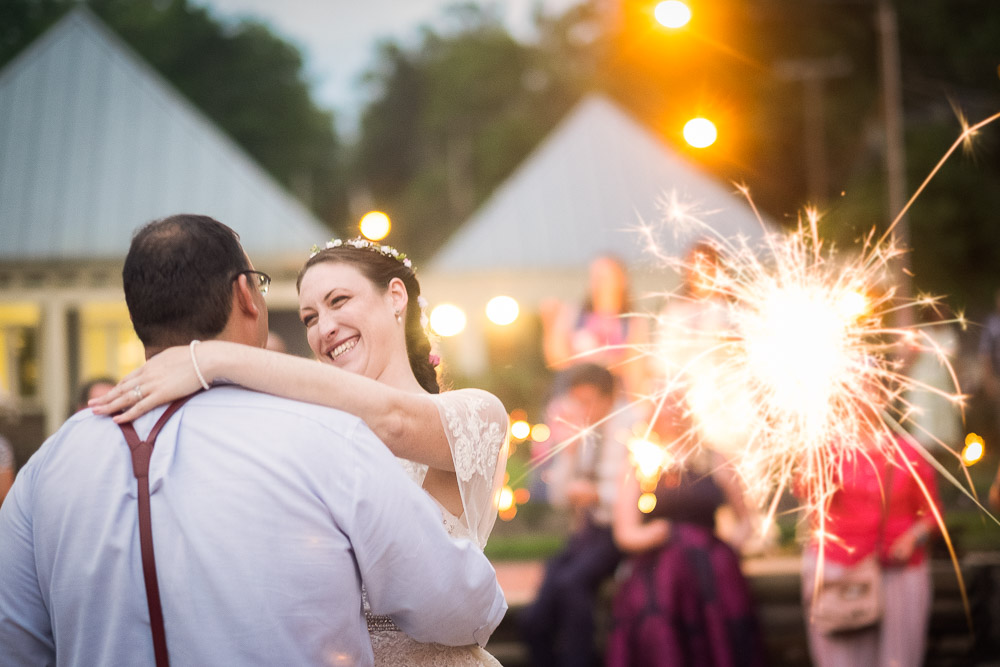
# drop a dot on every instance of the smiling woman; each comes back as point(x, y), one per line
point(360, 303)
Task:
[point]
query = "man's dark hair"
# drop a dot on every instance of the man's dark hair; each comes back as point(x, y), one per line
point(178, 279)
point(596, 376)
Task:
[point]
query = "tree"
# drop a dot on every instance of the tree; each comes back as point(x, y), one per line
point(450, 119)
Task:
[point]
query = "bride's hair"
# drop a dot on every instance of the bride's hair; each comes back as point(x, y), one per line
point(380, 269)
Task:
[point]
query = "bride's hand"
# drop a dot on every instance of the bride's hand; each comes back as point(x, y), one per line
point(167, 376)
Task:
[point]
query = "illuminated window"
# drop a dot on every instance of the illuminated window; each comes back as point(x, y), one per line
point(108, 345)
point(19, 340)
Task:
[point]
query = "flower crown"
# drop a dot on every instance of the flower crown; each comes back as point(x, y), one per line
point(364, 244)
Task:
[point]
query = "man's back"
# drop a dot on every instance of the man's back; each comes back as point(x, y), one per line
point(264, 512)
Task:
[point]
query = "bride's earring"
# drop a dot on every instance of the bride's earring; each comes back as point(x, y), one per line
point(398, 317)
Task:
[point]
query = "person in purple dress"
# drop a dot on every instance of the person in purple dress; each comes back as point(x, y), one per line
point(684, 600)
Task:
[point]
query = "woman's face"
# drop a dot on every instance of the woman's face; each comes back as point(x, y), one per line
point(350, 322)
point(607, 285)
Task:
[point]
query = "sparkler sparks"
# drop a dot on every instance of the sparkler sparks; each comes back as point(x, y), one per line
point(804, 359)
point(788, 356)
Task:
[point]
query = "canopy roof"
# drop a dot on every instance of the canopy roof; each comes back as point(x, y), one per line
point(584, 192)
point(94, 143)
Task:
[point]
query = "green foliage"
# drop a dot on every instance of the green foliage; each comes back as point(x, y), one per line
point(526, 546)
point(450, 119)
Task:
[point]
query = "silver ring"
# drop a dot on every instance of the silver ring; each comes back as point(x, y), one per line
point(138, 393)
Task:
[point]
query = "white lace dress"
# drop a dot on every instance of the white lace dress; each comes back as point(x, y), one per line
point(476, 424)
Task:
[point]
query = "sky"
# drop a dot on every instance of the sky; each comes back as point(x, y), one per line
point(337, 37)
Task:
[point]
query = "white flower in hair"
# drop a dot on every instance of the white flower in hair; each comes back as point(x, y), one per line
point(364, 244)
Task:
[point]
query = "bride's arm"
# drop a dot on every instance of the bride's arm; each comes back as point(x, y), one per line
point(409, 424)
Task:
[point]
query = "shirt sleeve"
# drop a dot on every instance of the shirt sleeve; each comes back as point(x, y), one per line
point(25, 629)
point(435, 589)
point(475, 422)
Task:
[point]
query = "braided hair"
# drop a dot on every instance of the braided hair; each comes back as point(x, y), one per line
point(380, 269)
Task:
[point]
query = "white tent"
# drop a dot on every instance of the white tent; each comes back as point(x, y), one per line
point(585, 191)
point(93, 144)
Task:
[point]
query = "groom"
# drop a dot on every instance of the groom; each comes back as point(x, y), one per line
point(267, 514)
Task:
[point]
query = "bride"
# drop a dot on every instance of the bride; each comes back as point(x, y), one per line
point(361, 306)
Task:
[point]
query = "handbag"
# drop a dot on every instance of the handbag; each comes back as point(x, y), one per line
point(850, 600)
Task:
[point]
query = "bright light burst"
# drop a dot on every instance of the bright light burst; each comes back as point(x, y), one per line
point(801, 359)
point(803, 366)
point(974, 449)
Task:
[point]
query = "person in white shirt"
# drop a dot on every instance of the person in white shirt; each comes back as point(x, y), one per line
point(363, 315)
point(262, 537)
point(559, 626)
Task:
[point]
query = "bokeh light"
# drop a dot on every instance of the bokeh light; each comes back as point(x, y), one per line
point(506, 499)
point(672, 14)
point(447, 320)
point(973, 450)
point(649, 459)
point(375, 225)
point(700, 132)
point(520, 429)
point(540, 432)
point(502, 310)
point(647, 502)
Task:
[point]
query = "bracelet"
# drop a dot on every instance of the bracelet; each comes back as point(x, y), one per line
point(194, 362)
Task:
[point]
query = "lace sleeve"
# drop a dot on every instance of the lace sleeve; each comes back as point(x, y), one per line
point(475, 422)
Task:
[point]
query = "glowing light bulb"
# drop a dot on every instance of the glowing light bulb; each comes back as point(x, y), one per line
point(973, 450)
point(447, 320)
point(700, 132)
point(647, 502)
point(520, 430)
point(502, 310)
point(672, 14)
point(375, 225)
point(540, 432)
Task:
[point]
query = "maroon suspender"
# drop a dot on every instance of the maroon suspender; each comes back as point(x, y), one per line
point(142, 450)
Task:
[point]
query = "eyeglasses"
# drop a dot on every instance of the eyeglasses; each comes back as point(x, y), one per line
point(259, 278)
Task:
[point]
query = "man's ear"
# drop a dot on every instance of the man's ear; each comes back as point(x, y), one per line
point(243, 297)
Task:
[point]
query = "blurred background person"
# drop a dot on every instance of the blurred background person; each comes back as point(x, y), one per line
point(7, 467)
point(691, 356)
point(559, 626)
point(934, 418)
point(600, 331)
point(989, 370)
point(989, 387)
point(879, 511)
point(683, 600)
point(92, 388)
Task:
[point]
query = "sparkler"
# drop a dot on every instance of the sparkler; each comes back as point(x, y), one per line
point(785, 356)
point(806, 359)
point(801, 366)
point(800, 350)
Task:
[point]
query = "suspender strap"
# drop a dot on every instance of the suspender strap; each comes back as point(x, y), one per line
point(142, 450)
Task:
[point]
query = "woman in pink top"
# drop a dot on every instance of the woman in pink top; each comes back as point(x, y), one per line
point(880, 506)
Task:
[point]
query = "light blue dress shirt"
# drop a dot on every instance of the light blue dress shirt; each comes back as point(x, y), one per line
point(267, 515)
